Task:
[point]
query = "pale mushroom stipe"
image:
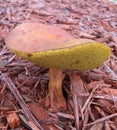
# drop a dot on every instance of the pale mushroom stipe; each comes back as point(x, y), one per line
point(50, 46)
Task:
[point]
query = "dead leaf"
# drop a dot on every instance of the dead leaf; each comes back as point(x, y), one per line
point(39, 112)
point(110, 91)
point(78, 88)
point(92, 85)
point(13, 120)
point(106, 105)
point(26, 80)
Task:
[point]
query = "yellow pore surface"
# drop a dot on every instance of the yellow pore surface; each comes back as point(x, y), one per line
point(82, 57)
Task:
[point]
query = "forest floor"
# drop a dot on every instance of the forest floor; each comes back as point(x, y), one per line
point(91, 96)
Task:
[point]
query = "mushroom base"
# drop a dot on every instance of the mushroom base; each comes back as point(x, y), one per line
point(57, 99)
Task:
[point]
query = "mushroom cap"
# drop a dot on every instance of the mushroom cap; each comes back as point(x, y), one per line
point(50, 46)
point(36, 37)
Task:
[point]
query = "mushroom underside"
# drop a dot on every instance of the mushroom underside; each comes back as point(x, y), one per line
point(83, 57)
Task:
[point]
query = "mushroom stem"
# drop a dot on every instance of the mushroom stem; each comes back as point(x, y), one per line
point(55, 89)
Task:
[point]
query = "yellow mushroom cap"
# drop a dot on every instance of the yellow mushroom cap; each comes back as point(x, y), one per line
point(50, 46)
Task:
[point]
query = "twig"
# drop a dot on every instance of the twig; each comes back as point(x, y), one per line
point(12, 58)
point(98, 77)
point(20, 100)
point(102, 119)
point(86, 35)
point(64, 115)
point(105, 97)
point(114, 99)
point(76, 109)
point(58, 127)
point(109, 70)
point(86, 116)
point(89, 98)
point(4, 50)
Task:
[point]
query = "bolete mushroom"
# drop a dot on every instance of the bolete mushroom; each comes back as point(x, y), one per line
point(50, 46)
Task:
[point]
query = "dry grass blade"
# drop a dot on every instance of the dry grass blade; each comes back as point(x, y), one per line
point(20, 100)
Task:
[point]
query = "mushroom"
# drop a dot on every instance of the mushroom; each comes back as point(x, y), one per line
point(50, 46)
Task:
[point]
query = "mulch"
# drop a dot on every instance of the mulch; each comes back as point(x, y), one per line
point(91, 95)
